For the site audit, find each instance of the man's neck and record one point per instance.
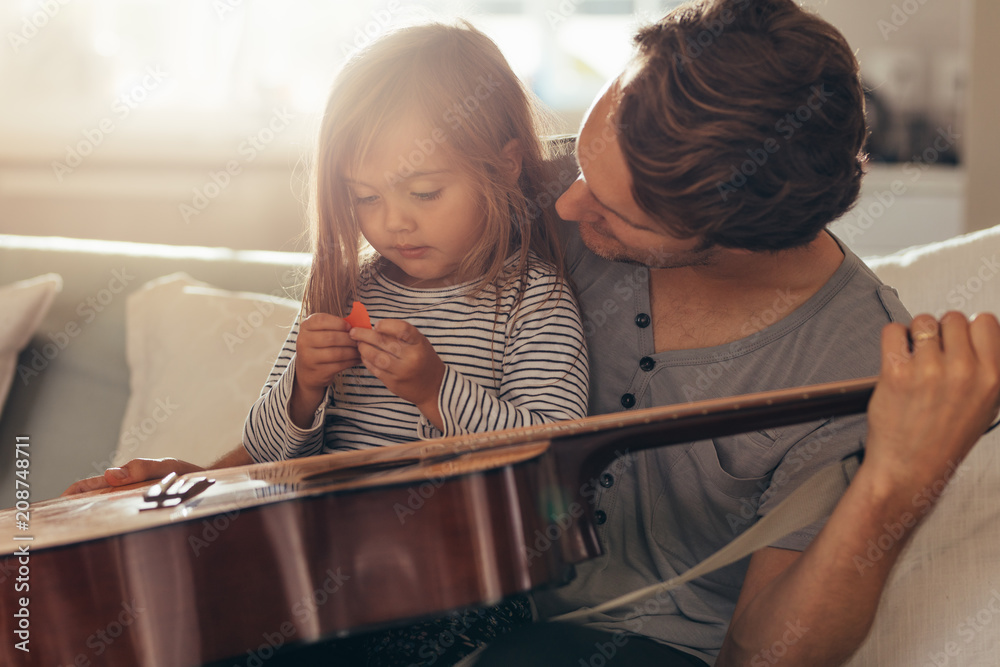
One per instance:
(737, 293)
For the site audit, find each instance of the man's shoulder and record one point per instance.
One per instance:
(859, 283)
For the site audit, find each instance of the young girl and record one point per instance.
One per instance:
(428, 172)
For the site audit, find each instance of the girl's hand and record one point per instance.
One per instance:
(322, 349)
(402, 357)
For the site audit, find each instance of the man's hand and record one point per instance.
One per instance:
(937, 394)
(133, 472)
(402, 357)
(144, 470)
(322, 349)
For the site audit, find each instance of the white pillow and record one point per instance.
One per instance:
(942, 602)
(23, 306)
(198, 358)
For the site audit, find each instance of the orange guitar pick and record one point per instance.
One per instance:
(359, 316)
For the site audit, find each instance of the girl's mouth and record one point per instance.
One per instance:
(412, 252)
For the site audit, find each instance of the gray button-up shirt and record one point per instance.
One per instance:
(665, 510)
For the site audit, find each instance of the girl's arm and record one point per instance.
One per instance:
(544, 377)
(269, 434)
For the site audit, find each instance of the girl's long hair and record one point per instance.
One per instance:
(459, 81)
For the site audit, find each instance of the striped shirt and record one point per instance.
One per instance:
(502, 370)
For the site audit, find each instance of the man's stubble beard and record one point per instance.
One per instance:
(609, 248)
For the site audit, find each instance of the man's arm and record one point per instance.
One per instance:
(142, 470)
(930, 407)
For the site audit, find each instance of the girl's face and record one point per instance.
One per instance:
(416, 207)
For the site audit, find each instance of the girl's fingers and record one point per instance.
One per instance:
(324, 322)
(326, 339)
(377, 339)
(329, 355)
(399, 329)
(376, 357)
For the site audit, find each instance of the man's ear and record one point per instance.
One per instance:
(511, 156)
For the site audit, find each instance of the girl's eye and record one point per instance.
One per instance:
(427, 196)
(365, 201)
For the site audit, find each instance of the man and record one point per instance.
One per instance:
(715, 160)
(709, 170)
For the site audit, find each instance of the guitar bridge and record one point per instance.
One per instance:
(171, 491)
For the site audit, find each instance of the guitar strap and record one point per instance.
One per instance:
(812, 501)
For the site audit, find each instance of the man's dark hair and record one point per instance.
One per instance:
(742, 122)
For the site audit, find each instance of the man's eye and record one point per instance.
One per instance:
(427, 196)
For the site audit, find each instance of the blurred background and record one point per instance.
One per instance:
(190, 121)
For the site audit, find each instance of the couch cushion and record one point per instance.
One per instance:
(198, 357)
(942, 603)
(73, 408)
(23, 305)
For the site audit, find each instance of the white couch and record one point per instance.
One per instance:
(199, 354)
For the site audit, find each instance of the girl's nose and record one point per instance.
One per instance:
(397, 219)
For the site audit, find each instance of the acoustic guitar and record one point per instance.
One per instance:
(233, 562)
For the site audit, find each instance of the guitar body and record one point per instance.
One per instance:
(296, 551)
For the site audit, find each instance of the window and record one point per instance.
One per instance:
(178, 79)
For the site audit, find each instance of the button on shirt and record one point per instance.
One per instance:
(669, 508)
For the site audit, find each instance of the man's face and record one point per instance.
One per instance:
(611, 223)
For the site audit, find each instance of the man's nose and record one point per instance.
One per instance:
(572, 205)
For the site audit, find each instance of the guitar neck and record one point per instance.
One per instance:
(599, 436)
(588, 450)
